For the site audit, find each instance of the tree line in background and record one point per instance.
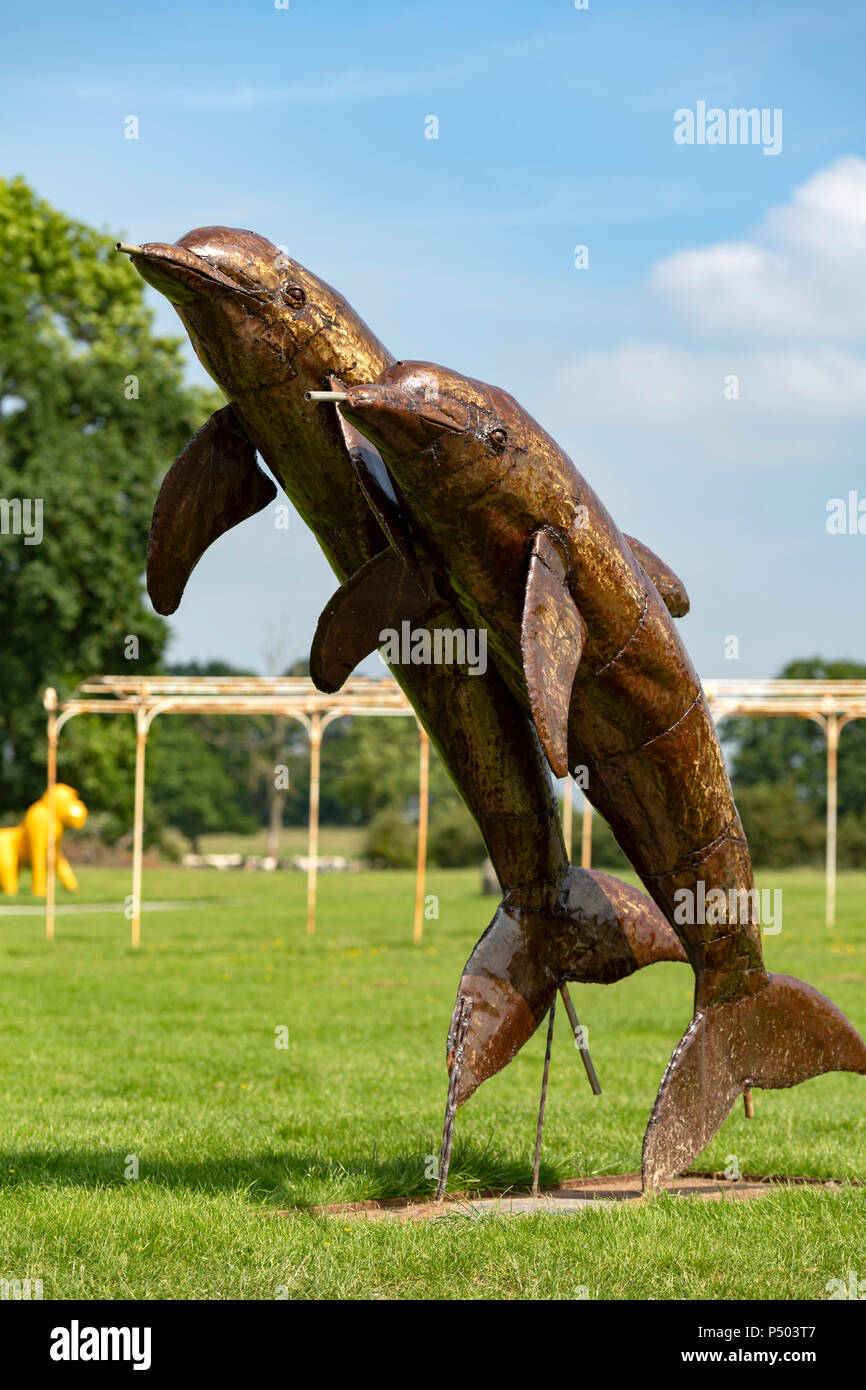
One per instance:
(93, 408)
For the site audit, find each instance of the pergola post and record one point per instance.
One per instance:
(567, 816)
(141, 727)
(832, 733)
(50, 704)
(423, 812)
(586, 837)
(313, 839)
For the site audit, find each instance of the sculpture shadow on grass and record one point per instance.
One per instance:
(270, 1177)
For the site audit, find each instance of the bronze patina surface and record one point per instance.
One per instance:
(268, 330)
(585, 641)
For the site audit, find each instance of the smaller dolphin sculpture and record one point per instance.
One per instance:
(582, 635)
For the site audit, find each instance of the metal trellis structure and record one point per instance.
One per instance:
(293, 697)
(830, 704)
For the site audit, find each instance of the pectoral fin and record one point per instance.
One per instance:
(214, 484)
(551, 640)
(380, 595)
(670, 586)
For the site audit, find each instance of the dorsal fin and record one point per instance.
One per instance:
(671, 588)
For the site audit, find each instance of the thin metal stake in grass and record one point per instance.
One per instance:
(543, 1101)
(579, 1040)
(456, 1042)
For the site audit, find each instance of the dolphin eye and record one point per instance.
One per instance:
(498, 438)
(293, 294)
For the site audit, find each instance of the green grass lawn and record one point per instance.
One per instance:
(168, 1055)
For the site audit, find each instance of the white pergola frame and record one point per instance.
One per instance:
(294, 697)
(830, 704)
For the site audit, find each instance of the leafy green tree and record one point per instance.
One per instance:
(378, 768)
(190, 785)
(93, 408)
(96, 755)
(781, 826)
(455, 841)
(252, 748)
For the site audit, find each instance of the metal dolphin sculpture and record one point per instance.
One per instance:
(587, 646)
(269, 331)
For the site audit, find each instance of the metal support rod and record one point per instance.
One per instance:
(456, 1043)
(832, 813)
(748, 1103)
(423, 814)
(537, 1164)
(313, 844)
(586, 837)
(579, 1039)
(138, 827)
(51, 779)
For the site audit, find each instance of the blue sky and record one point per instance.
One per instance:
(555, 130)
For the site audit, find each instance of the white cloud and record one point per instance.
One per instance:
(783, 310)
(654, 381)
(802, 275)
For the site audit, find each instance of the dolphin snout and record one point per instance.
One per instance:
(398, 421)
(179, 274)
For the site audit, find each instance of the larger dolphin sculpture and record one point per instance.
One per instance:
(583, 639)
(268, 330)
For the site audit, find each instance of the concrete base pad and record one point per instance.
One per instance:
(568, 1199)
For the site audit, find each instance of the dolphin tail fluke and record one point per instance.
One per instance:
(784, 1034)
(586, 927)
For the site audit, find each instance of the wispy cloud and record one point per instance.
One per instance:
(352, 84)
(651, 381)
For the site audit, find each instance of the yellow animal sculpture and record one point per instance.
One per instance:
(27, 843)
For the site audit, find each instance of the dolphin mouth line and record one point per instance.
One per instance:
(440, 422)
(362, 398)
(177, 259)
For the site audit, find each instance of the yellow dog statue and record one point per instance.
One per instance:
(27, 843)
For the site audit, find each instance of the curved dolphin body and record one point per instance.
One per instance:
(587, 646)
(268, 330)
